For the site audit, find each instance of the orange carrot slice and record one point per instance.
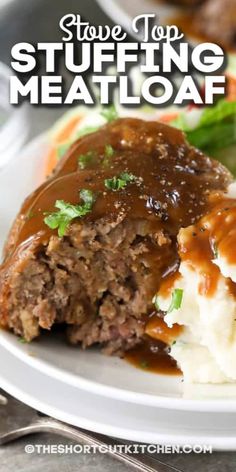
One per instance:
(168, 117)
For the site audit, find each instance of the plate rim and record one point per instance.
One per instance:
(210, 405)
(219, 443)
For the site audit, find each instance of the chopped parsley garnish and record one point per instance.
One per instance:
(67, 212)
(118, 183)
(109, 113)
(88, 197)
(176, 301)
(144, 364)
(85, 159)
(108, 153)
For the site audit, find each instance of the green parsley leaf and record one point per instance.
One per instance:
(118, 183)
(144, 364)
(176, 301)
(67, 212)
(109, 113)
(87, 196)
(109, 151)
(85, 160)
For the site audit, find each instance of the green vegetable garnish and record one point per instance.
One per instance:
(176, 301)
(118, 183)
(180, 122)
(85, 159)
(223, 109)
(67, 212)
(144, 364)
(214, 137)
(86, 130)
(62, 149)
(211, 115)
(215, 132)
(22, 340)
(109, 113)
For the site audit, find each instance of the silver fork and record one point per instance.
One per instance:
(18, 420)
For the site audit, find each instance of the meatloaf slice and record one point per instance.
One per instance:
(95, 271)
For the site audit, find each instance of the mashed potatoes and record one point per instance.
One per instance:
(205, 350)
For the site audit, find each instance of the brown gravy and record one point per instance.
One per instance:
(157, 329)
(215, 233)
(200, 244)
(171, 191)
(153, 356)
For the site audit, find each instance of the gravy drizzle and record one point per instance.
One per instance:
(171, 191)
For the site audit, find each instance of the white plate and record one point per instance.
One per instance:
(19, 178)
(113, 417)
(114, 378)
(90, 370)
